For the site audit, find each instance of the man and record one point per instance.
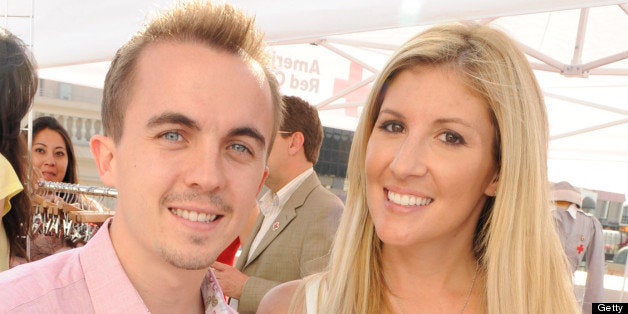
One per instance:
(299, 218)
(189, 114)
(580, 234)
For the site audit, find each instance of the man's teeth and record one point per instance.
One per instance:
(408, 200)
(193, 216)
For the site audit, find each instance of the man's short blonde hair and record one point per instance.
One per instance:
(222, 27)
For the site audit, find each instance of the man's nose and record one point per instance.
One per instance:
(206, 170)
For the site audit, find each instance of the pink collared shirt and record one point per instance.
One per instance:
(89, 279)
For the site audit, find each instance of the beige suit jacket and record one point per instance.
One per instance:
(295, 246)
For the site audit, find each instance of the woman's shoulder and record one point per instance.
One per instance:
(278, 299)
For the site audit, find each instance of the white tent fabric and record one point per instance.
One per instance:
(579, 48)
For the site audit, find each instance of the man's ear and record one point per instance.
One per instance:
(259, 188)
(491, 189)
(296, 143)
(103, 149)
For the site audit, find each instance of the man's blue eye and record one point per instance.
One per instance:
(240, 148)
(172, 136)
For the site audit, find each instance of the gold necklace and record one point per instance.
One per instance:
(475, 275)
(466, 301)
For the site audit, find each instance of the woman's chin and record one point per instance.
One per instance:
(50, 177)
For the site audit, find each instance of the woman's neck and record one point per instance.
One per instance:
(442, 281)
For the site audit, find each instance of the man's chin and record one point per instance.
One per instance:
(188, 262)
(190, 259)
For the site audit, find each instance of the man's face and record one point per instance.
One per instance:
(191, 159)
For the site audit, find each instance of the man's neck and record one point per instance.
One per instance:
(288, 174)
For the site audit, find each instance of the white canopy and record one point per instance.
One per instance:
(579, 48)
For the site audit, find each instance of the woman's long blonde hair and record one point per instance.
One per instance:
(515, 242)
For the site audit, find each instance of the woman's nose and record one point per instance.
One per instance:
(410, 159)
(49, 160)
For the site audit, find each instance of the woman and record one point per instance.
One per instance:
(447, 208)
(18, 84)
(52, 151)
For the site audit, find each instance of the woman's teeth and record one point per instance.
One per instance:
(193, 216)
(408, 200)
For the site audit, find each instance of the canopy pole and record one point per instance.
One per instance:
(582, 28)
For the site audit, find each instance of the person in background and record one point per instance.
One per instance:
(228, 256)
(52, 155)
(52, 151)
(190, 109)
(581, 235)
(292, 237)
(18, 85)
(447, 208)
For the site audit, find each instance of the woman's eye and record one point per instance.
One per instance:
(172, 136)
(392, 127)
(451, 138)
(60, 154)
(40, 150)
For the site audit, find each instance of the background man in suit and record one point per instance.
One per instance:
(292, 237)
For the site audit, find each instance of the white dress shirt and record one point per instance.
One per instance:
(270, 206)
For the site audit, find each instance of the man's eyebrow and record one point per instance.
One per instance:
(250, 132)
(172, 118)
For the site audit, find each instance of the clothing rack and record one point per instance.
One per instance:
(76, 188)
(74, 218)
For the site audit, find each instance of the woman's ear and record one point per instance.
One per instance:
(103, 149)
(491, 189)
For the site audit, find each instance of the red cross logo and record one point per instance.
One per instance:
(355, 76)
(580, 249)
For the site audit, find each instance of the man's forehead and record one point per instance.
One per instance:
(258, 89)
(172, 49)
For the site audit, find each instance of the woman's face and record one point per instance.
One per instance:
(429, 161)
(50, 155)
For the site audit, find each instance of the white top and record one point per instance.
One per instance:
(270, 206)
(311, 296)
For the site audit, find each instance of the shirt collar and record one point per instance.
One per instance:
(286, 191)
(104, 273)
(213, 298)
(572, 210)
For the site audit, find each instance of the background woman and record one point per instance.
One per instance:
(18, 84)
(447, 208)
(52, 153)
